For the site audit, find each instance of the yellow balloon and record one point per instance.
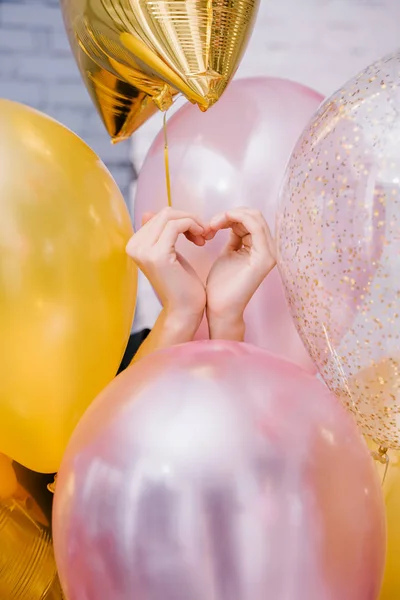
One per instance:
(389, 473)
(391, 583)
(67, 287)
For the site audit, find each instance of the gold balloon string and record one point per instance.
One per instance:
(166, 159)
(382, 456)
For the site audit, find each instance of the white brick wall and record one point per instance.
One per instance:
(37, 68)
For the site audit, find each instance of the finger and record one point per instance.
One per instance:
(250, 227)
(147, 216)
(257, 214)
(263, 222)
(156, 225)
(210, 234)
(237, 235)
(218, 221)
(223, 221)
(198, 240)
(176, 227)
(201, 240)
(235, 242)
(148, 235)
(261, 237)
(222, 218)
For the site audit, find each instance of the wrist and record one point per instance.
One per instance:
(180, 324)
(170, 329)
(226, 327)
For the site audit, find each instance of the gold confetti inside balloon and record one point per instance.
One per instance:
(67, 287)
(338, 237)
(134, 55)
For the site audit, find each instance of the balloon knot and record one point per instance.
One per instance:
(383, 458)
(52, 486)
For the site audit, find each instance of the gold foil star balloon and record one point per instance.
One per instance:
(338, 237)
(134, 55)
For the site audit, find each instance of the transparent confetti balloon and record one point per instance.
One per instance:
(338, 236)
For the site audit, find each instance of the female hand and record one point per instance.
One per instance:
(247, 259)
(176, 284)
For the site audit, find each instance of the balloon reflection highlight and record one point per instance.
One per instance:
(216, 471)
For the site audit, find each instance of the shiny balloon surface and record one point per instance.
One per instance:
(216, 471)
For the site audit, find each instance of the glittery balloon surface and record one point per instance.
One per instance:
(338, 236)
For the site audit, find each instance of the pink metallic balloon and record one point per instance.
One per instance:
(234, 155)
(216, 471)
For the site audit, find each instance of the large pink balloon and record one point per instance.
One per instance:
(234, 155)
(216, 471)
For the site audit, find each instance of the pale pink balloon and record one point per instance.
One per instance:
(234, 155)
(216, 471)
